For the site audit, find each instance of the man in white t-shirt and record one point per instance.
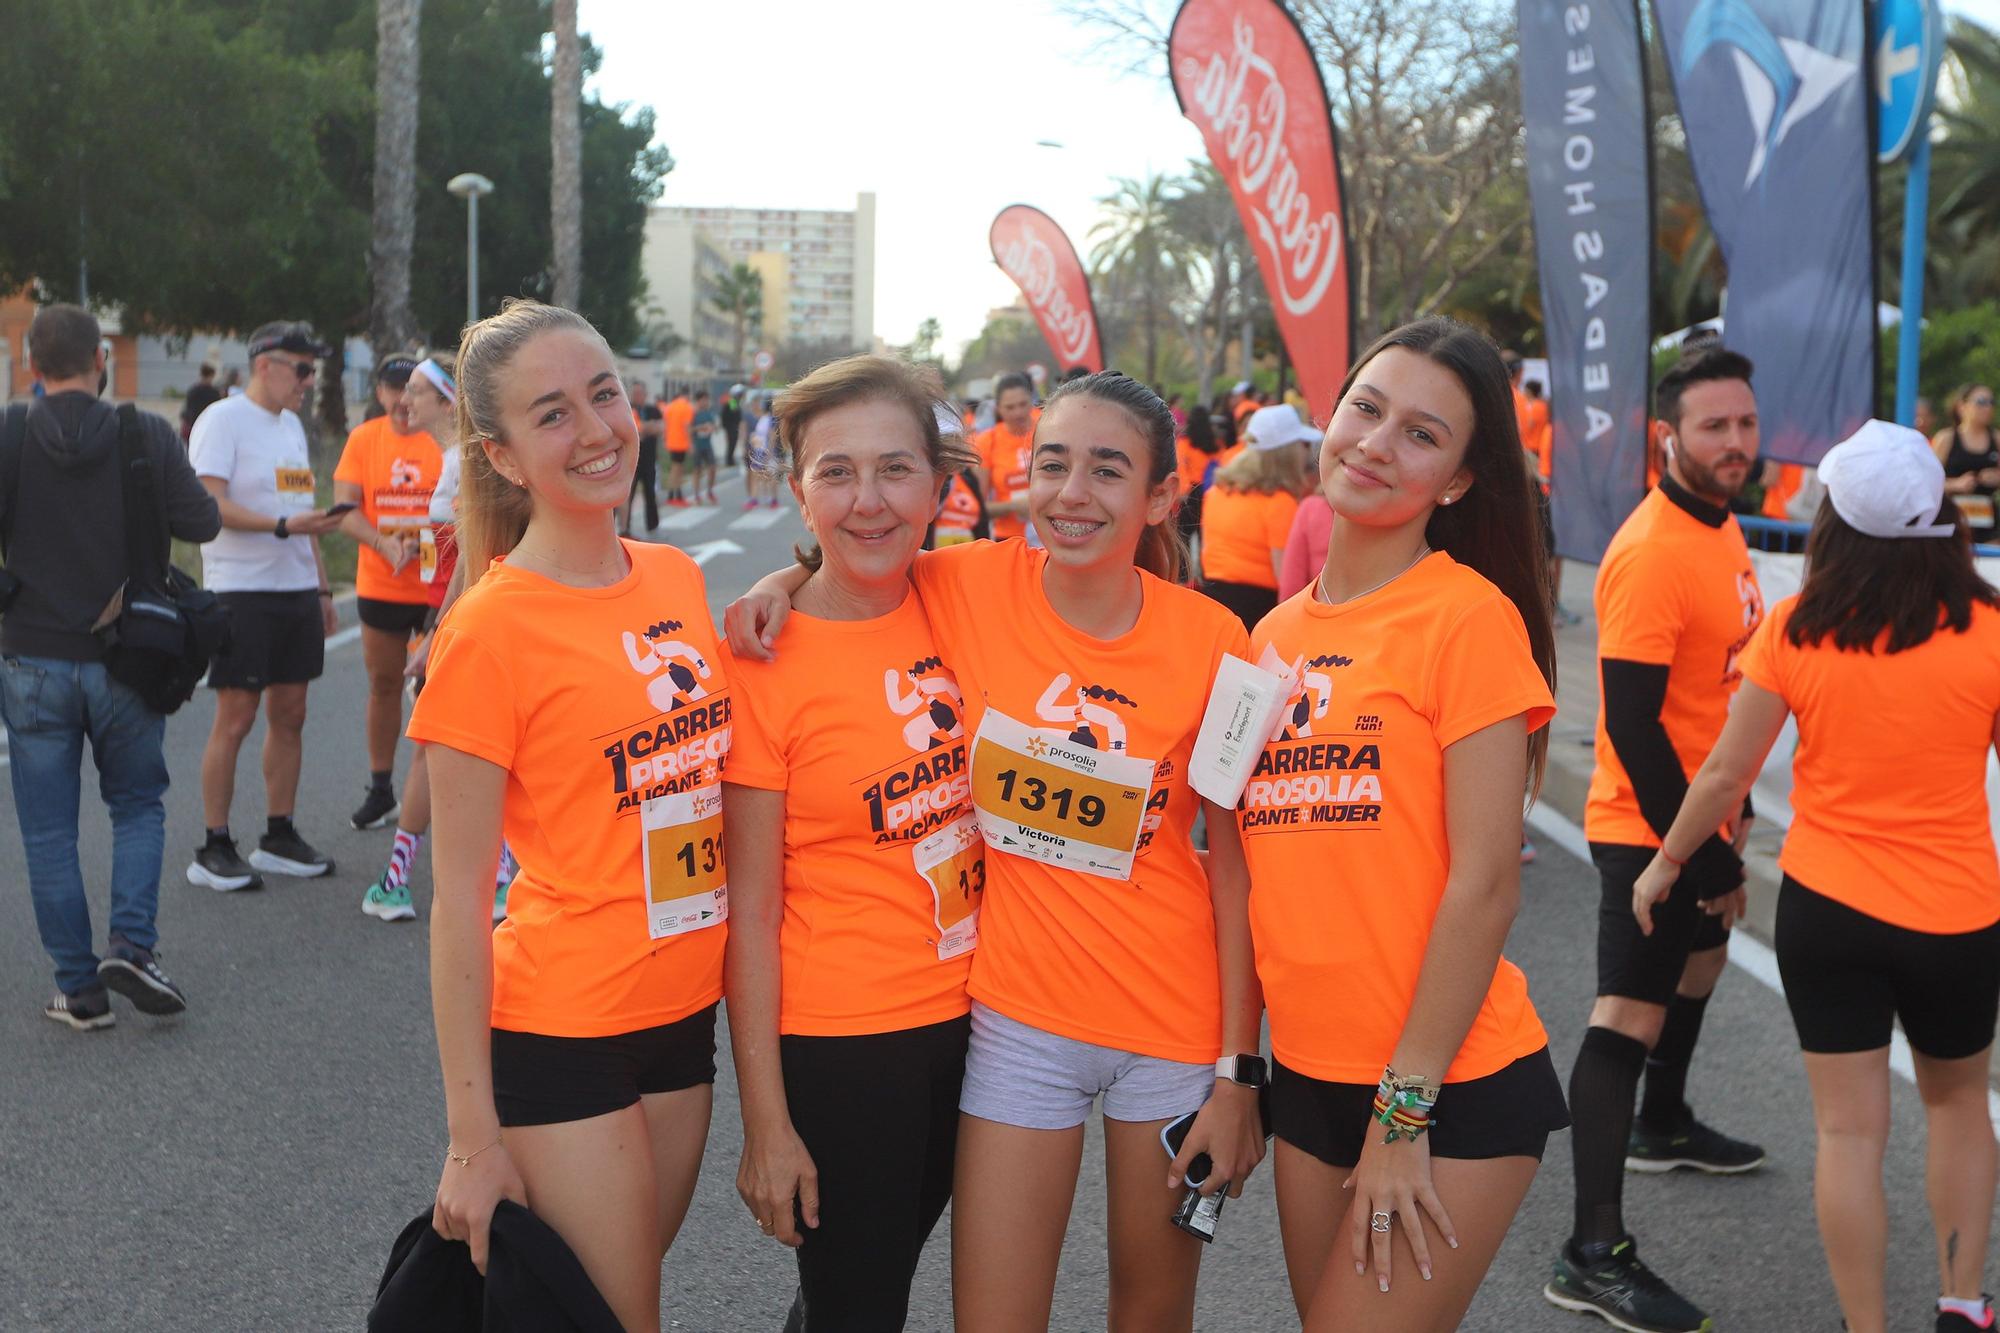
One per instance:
(250, 453)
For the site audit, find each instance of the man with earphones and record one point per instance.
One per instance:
(1676, 602)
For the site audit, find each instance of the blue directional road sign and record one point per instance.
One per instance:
(1909, 46)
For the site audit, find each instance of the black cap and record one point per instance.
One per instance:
(395, 369)
(286, 335)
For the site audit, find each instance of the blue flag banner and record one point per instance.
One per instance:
(1583, 98)
(1775, 96)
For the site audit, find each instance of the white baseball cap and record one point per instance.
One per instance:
(1276, 426)
(1886, 482)
(1242, 386)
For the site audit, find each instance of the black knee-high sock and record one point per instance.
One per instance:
(1601, 1087)
(1665, 1102)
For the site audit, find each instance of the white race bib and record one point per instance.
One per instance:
(1058, 802)
(953, 862)
(687, 881)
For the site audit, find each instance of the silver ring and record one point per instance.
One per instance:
(1378, 1222)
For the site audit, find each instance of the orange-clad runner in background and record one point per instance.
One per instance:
(1780, 492)
(859, 724)
(396, 474)
(1912, 847)
(593, 700)
(678, 419)
(1657, 605)
(1239, 532)
(1344, 818)
(1125, 963)
(1006, 458)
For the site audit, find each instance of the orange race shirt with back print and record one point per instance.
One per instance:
(1343, 818)
(610, 710)
(1889, 811)
(1007, 458)
(1672, 591)
(396, 474)
(861, 725)
(1091, 742)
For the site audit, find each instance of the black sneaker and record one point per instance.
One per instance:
(286, 853)
(132, 972)
(1623, 1292)
(1951, 1321)
(1691, 1144)
(378, 807)
(217, 866)
(90, 1012)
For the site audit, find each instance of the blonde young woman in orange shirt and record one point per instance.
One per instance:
(1381, 827)
(1247, 513)
(578, 701)
(1112, 962)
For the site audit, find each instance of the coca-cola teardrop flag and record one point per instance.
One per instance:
(1032, 250)
(1246, 77)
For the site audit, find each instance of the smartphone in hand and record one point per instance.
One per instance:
(1197, 1215)
(345, 506)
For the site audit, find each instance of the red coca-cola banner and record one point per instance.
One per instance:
(1032, 250)
(1245, 76)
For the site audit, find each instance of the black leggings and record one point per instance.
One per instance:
(879, 1114)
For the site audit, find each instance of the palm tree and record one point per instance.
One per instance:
(566, 157)
(740, 297)
(1137, 250)
(1207, 229)
(397, 28)
(1967, 159)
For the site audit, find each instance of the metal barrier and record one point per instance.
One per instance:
(1784, 537)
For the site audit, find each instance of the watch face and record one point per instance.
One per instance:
(1251, 1069)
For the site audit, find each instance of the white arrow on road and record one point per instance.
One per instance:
(707, 551)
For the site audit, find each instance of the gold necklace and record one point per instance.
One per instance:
(1327, 597)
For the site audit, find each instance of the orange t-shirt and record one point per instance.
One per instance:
(1243, 411)
(1344, 817)
(1124, 963)
(1190, 464)
(1007, 458)
(396, 474)
(596, 701)
(861, 725)
(1779, 494)
(958, 514)
(1889, 812)
(678, 417)
(1537, 434)
(1240, 530)
(1674, 592)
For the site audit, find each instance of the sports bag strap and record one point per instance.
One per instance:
(145, 508)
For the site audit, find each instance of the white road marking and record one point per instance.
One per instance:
(1747, 952)
(757, 519)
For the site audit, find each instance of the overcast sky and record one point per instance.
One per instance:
(935, 105)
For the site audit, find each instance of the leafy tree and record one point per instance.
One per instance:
(1007, 343)
(739, 297)
(1137, 257)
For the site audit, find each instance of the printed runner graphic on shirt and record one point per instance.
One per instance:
(671, 770)
(403, 506)
(1067, 794)
(923, 800)
(1313, 776)
(1752, 598)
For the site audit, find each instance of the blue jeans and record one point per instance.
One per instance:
(51, 706)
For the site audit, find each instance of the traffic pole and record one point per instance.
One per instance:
(1916, 211)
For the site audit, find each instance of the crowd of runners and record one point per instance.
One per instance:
(1036, 882)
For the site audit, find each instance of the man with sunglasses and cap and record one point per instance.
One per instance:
(387, 471)
(250, 453)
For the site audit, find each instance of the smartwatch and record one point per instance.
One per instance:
(283, 528)
(1248, 1070)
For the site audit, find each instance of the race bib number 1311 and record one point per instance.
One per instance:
(687, 881)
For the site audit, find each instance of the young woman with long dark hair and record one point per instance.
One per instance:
(1379, 908)
(1890, 905)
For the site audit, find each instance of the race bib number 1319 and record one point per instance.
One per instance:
(687, 881)
(1056, 801)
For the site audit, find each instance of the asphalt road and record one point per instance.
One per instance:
(246, 1165)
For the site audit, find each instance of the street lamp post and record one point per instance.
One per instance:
(469, 186)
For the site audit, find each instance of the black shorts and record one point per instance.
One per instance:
(404, 618)
(1848, 975)
(1509, 1113)
(540, 1080)
(1250, 602)
(1647, 967)
(879, 1115)
(275, 638)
